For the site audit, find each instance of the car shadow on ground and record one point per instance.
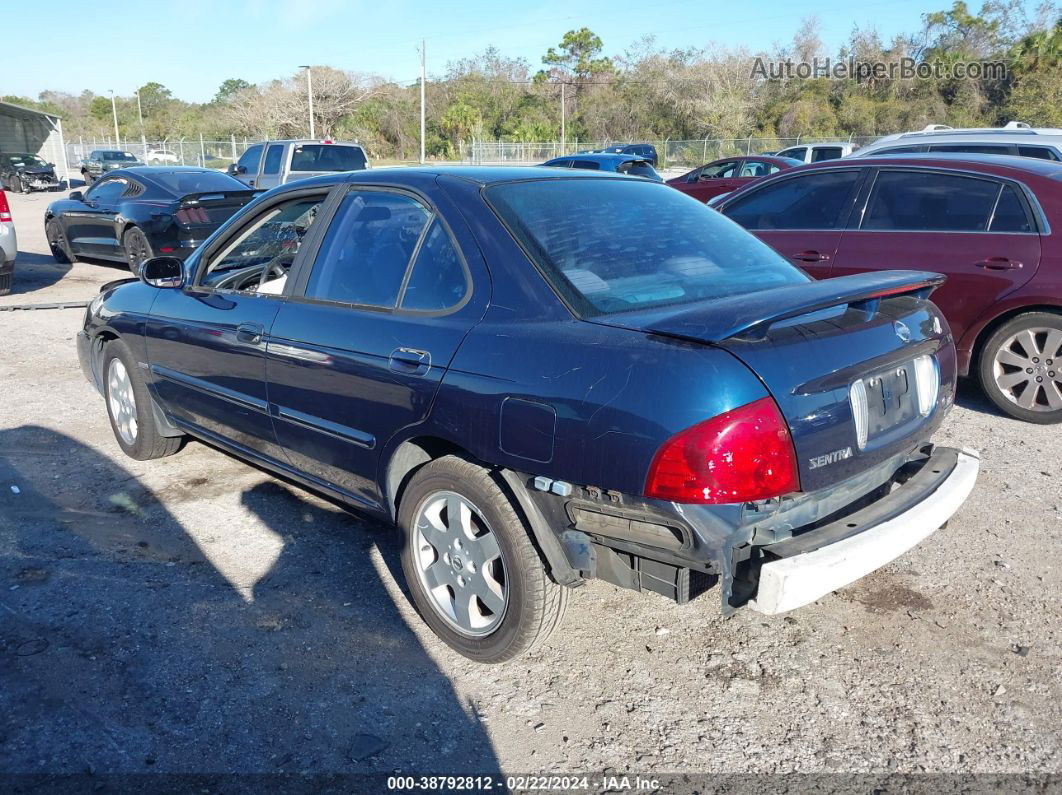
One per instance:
(130, 642)
(35, 272)
(970, 396)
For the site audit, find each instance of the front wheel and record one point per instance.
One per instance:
(1021, 367)
(475, 577)
(129, 406)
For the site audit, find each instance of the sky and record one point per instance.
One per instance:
(191, 46)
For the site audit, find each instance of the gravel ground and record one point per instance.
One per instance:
(196, 614)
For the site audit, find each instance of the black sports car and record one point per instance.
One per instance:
(137, 213)
(21, 172)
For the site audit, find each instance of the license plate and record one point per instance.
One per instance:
(892, 398)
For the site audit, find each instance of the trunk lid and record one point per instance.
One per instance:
(809, 343)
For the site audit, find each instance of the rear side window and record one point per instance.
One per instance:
(637, 168)
(797, 152)
(598, 242)
(898, 150)
(974, 149)
(930, 202)
(820, 153)
(559, 164)
(272, 160)
(438, 278)
(1041, 152)
(754, 168)
(327, 157)
(367, 249)
(720, 170)
(811, 201)
(1010, 215)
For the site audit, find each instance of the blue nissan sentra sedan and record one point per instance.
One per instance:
(542, 377)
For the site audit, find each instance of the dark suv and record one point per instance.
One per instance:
(100, 161)
(644, 151)
(983, 221)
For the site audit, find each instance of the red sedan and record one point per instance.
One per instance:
(730, 173)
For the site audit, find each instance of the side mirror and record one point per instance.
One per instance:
(235, 169)
(162, 272)
(76, 195)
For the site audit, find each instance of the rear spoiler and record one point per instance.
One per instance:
(191, 199)
(750, 316)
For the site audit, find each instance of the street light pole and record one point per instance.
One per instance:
(114, 113)
(309, 93)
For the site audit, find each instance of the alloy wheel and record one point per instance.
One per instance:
(459, 564)
(1028, 369)
(122, 401)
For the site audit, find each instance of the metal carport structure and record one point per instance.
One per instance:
(36, 132)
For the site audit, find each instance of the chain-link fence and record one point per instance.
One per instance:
(172, 151)
(671, 154)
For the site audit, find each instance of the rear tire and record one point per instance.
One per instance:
(5, 283)
(53, 231)
(129, 406)
(476, 579)
(1020, 367)
(137, 248)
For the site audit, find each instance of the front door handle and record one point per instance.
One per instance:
(409, 360)
(811, 256)
(251, 333)
(998, 264)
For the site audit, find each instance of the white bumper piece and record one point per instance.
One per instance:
(794, 582)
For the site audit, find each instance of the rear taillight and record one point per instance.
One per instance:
(5, 210)
(744, 454)
(192, 215)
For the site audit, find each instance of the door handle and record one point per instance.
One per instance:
(998, 264)
(250, 333)
(811, 256)
(409, 360)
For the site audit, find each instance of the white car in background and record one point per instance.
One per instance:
(1016, 138)
(156, 156)
(813, 153)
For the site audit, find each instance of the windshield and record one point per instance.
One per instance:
(124, 157)
(327, 157)
(27, 160)
(184, 182)
(610, 245)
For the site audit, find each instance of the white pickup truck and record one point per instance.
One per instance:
(271, 163)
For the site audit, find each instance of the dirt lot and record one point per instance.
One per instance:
(196, 614)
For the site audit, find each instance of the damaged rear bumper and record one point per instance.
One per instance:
(805, 568)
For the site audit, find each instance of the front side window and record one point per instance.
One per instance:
(811, 201)
(797, 152)
(106, 192)
(974, 149)
(272, 159)
(637, 168)
(598, 242)
(928, 201)
(590, 165)
(364, 256)
(249, 160)
(262, 253)
(723, 170)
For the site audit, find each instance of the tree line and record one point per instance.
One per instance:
(644, 92)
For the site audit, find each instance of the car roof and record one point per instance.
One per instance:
(600, 157)
(1027, 165)
(154, 171)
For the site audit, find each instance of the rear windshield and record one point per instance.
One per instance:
(182, 183)
(611, 245)
(327, 157)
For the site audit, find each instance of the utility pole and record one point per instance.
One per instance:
(423, 78)
(309, 93)
(562, 117)
(114, 113)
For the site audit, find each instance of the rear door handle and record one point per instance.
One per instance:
(409, 360)
(998, 264)
(250, 333)
(811, 256)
